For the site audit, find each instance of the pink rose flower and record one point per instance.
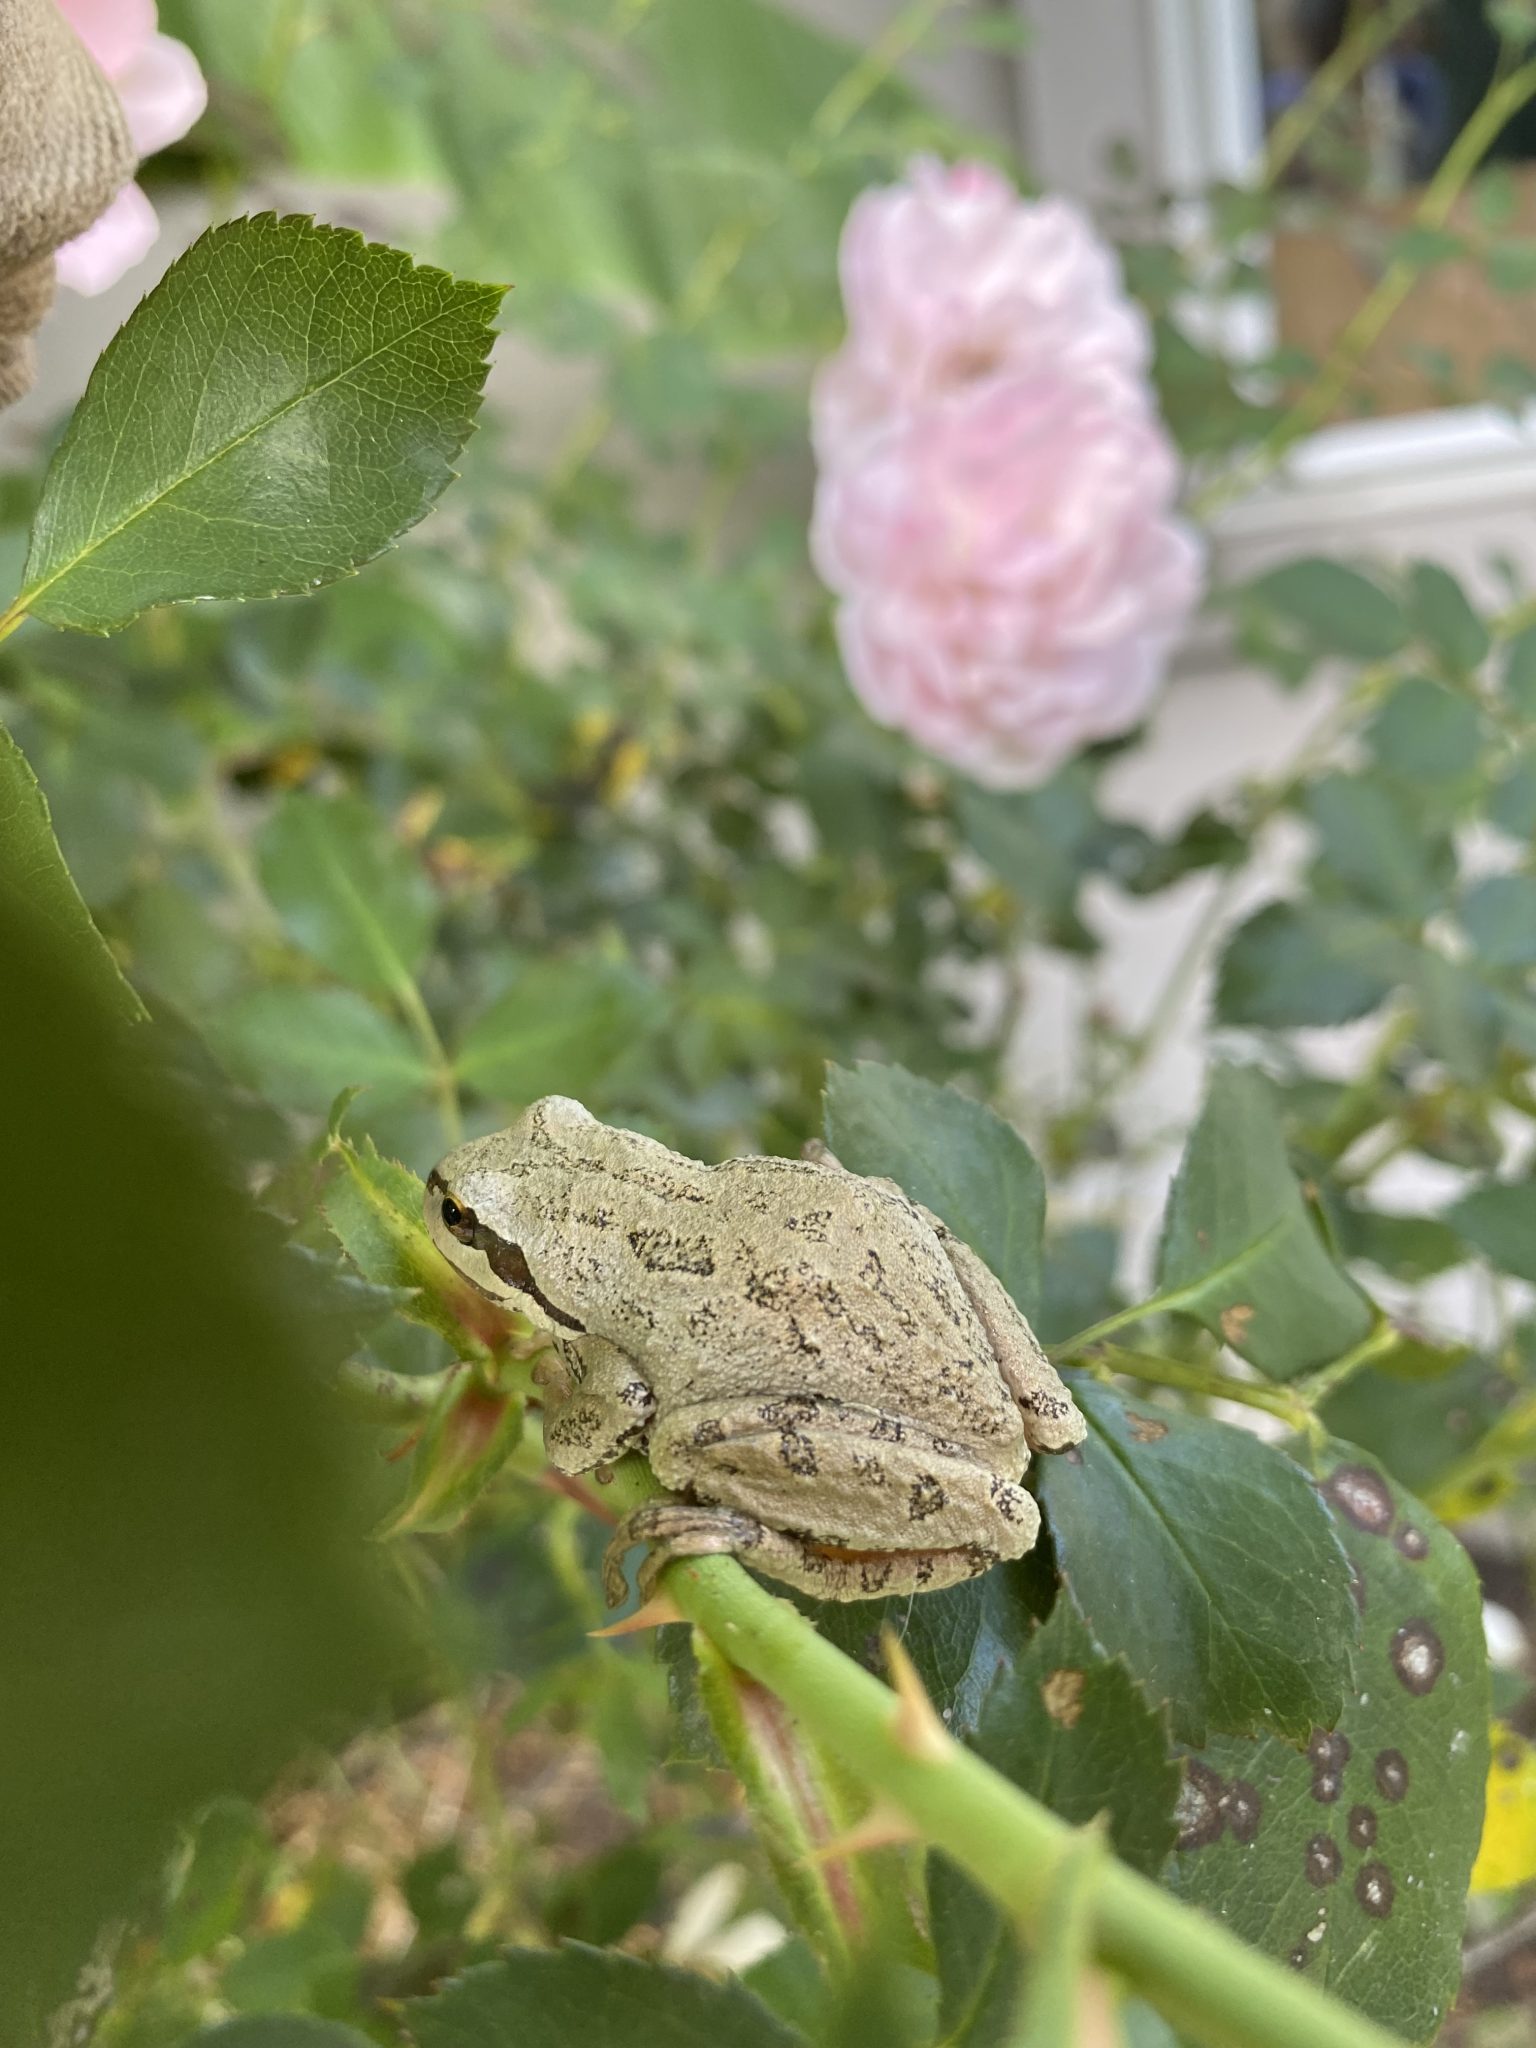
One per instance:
(995, 505)
(163, 92)
(951, 276)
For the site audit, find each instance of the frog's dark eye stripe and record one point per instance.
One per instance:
(507, 1262)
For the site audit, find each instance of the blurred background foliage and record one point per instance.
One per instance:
(569, 793)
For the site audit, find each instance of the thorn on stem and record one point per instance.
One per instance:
(660, 1609)
(916, 1727)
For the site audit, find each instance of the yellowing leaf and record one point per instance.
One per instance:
(1507, 1856)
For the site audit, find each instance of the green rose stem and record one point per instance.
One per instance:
(1202, 1978)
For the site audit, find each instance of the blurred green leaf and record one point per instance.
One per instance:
(1239, 1243)
(1337, 609)
(278, 2030)
(559, 1029)
(1498, 914)
(303, 1046)
(250, 457)
(1443, 617)
(1305, 963)
(980, 1961)
(1418, 1429)
(188, 1594)
(1512, 800)
(1499, 1218)
(228, 1854)
(549, 1998)
(1204, 1559)
(1072, 1728)
(349, 893)
(1426, 733)
(1378, 843)
(1351, 1860)
(1520, 669)
(1512, 266)
(953, 1155)
(32, 870)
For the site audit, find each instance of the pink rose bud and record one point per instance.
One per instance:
(163, 92)
(994, 509)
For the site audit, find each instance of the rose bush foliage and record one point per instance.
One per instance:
(571, 793)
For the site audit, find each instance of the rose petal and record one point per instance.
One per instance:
(123, 236)
(112, 30)
(163, 92)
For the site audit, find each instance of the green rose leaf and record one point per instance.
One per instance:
(284, 403)
(549, 1998)
(373, 1205)
(952, 1155)
(1240, 1250)
(1350, 1858)
(1420, 1429)
(1297, 964)
(1336, 609)
(1500, 1219)
(980, 1962)
(958, 1638)
(349, 893)
(1444, 619)
(1072, 1728)
(1427, 734)
(278, 2030)
(1376, 844)
(560, 1029)
(1204, 1558)
(1520, 673)
(303, 1046)
(33, 869)
(1498, 914)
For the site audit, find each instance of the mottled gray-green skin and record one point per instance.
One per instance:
(840, 1388)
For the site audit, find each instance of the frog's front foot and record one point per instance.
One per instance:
(673, 1528)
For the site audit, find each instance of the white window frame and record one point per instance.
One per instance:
(1180, 80)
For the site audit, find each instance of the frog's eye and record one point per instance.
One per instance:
(460, 1222)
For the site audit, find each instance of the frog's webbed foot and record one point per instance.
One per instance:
(674, 1528)
(681, 1528)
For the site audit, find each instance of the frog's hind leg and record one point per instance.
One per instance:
(1052, 1419)
(606, 1411)
(674, 1529)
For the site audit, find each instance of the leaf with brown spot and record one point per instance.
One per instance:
(1204, 1558)
(1358, 1868)
(1062, 1694)
(1070, 1726)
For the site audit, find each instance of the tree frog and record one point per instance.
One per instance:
(838, 1388)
